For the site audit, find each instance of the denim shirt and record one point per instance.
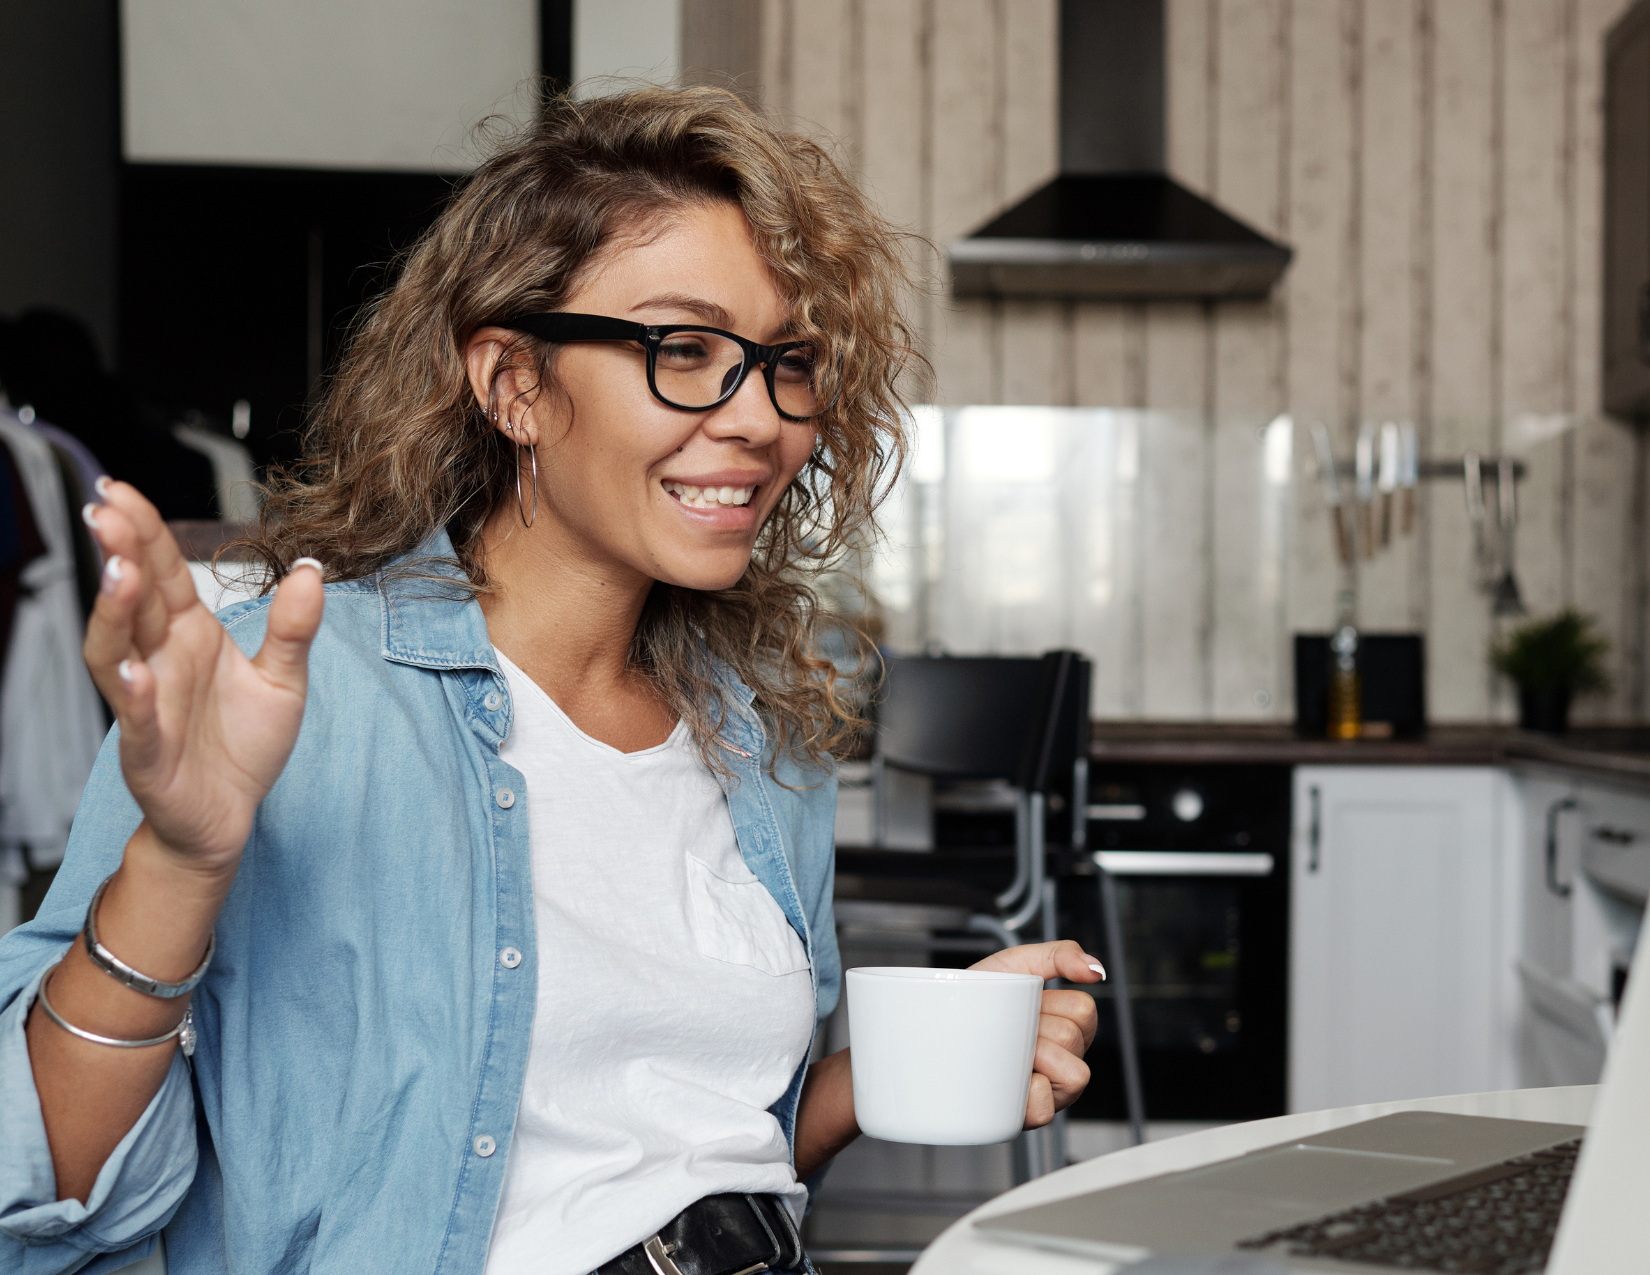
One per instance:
(353, 1091)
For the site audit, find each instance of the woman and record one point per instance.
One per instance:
(493, 913)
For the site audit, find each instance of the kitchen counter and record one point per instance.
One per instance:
(1620, 753)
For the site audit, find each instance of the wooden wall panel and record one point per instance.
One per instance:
(1191, 28)
(1248, 90)
(1318, 213)
(1033, 353)
(1466, 346)
(1388, 94)
(819, 97)
(1030, 36)
(1108, 353)
(1436, 166)
(1536, 369)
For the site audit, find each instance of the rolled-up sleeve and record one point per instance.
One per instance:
(138, 1189)
(146, 1177)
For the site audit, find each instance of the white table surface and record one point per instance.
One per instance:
(960, 1250)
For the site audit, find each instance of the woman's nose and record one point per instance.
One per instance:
(749, 415)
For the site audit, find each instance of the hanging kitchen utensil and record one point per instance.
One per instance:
(1364, 469)
(1388, 480)
(1472, 475)
(1339, 523)
(1409, 473)
(1506, 599)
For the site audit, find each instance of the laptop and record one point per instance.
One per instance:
(1416, 1190)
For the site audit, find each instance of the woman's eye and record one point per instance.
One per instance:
(796, 365)
(679, 350)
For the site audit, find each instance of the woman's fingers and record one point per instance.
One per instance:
(1065, 1071)
(119, 538)
(140, 735)
(1076, 1008)
(1061, 1031)
(154, 547)
(1063, 959)
(294, 618)
(1040, 1104)
(109, 629)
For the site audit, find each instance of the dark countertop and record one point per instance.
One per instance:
(1621, 753)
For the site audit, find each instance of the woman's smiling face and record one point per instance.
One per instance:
(674, 495)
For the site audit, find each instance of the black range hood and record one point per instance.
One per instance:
(1113, 224)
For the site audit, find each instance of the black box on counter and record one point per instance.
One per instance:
(1392, 675)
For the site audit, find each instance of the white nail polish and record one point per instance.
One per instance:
(101, 486)
(88, 515)
(309, 562)
(126, 670)
(1099, 969)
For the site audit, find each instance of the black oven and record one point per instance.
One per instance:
(1200, 859)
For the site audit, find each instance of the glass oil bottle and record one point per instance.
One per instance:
(1345, 686)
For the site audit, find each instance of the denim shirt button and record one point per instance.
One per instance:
(505, 798)
(509, 958)
(485, 1146)
(494, 701)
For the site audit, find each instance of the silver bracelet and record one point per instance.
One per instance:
(184, 1031)
(123, 973)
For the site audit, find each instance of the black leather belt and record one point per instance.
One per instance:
(719, 1235)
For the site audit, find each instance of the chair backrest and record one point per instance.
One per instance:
(981, 717)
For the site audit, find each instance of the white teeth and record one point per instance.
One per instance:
(709, 497)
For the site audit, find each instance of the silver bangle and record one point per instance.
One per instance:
(184, 1031)
(123, 973)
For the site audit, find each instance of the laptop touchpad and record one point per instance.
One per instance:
(1302, 1176)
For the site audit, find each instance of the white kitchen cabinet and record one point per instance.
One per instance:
(1405, 914)
(1577, 936)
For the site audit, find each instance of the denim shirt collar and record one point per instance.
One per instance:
(432, 621)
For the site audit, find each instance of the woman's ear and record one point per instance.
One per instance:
(503, 389)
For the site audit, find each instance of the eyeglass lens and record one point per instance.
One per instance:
(697, 369)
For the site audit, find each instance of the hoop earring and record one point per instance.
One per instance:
(521, 504)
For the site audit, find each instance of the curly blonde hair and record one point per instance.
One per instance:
(399, 447)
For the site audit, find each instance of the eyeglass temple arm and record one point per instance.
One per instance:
(575, 327)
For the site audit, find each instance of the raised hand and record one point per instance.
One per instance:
(204, 731)
(1066, 1029)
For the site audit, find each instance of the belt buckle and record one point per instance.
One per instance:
(658, 1256)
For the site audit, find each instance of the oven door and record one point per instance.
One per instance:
(1204, 938)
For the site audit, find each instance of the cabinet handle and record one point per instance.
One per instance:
(1553, 811)
(1314, 836)
(1615, 836)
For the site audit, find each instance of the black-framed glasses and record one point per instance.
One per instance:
(696, 368)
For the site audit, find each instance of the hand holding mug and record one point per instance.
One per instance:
(1066, 1023)
(964, 1057)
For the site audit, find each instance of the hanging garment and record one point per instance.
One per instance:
(231, 471)
(87, 467)
(51, 723)
(80, 470)
(20, 544)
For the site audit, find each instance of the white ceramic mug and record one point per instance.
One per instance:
(942, 1057)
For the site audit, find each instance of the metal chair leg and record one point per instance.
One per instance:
(1118, 976)
(879, 801)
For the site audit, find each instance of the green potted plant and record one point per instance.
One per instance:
(1552, 660)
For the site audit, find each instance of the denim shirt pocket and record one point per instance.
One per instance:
(738, 921)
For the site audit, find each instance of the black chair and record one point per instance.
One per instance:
(1024, 721)
(956, 720)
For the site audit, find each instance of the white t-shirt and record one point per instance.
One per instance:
(674, 1000)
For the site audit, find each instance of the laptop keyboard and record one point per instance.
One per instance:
(1498, 1221)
